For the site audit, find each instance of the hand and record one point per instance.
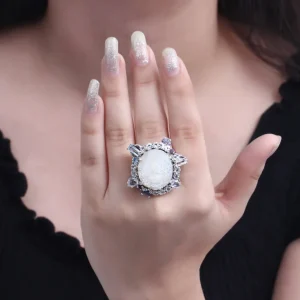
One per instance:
(152, 248)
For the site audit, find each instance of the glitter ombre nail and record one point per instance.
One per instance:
(112, 56)
(92, 98)
(171, 61)
(139, 46)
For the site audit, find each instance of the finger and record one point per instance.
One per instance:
(93, 154)
(118, 119)
(149, 114)
(184, 119)
(240, 183)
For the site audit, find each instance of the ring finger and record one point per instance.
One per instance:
(149, 114)
(184, 118)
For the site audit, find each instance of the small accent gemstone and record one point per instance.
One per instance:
(175, 175)
(146, 193)
(135, 150)
(175, 184)
(180, 160)
(172, 151)
(166, 141)
(135, 160)
(132, 182)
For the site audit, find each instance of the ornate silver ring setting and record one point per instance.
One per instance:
(155, 168)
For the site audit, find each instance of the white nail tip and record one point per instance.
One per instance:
(111, 45)
(93, 89)
(138, 37)
(169, 52)
(92, 96)
(112, 54)
(171, 61)
(139, 46)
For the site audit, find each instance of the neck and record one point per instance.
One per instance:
(74, 31)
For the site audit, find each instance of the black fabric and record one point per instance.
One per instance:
(38, 263)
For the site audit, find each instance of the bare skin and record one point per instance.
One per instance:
(46, 69)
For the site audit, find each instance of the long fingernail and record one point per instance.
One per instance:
(139, 46)
(92, 98)
(112, 56)
(171, 61)
(276, 146)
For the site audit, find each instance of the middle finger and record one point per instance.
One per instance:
(118, 119)
(149, 115)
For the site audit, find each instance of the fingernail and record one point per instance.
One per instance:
(171, 61)
(92, 98)
(112, 56)
(139, 46)
(278, 142)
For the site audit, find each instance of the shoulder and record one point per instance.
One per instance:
(278, 193)
(292, 252)
(12, 181)
(290, 106)
(287, 283)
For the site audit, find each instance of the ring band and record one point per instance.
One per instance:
(155, 168)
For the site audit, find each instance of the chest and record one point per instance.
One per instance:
(46, 143)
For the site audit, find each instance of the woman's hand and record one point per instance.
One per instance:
(144, 248)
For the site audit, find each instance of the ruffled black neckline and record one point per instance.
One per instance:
(42, 231)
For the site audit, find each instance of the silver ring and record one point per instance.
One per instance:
(155, 168)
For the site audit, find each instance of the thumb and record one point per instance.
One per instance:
(240, 183)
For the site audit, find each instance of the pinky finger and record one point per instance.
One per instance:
(93, 156)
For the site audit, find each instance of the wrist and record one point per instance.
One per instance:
(167, 288)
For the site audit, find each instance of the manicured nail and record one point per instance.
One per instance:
(278, 142)
(171, 61)
(112, 56)
(139, 46)
(92, 98)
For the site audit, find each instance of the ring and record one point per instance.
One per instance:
(155, 168)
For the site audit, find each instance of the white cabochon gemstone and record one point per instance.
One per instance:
(155, 169)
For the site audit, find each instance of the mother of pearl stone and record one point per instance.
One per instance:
(155, 169)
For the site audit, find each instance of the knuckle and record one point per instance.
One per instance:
(243, 168)
(203, 205)
(240, 166)
(164, 216)
(129, 215)
(89, 160)
(125, 214)
(113, 93)
(257, 173)
(255, 176)
(91, 207)
(188, 131)
(88, 128)
(117, 136)
(145, 81)
(180, 87)
(150, 129)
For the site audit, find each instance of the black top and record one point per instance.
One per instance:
(38, 263)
